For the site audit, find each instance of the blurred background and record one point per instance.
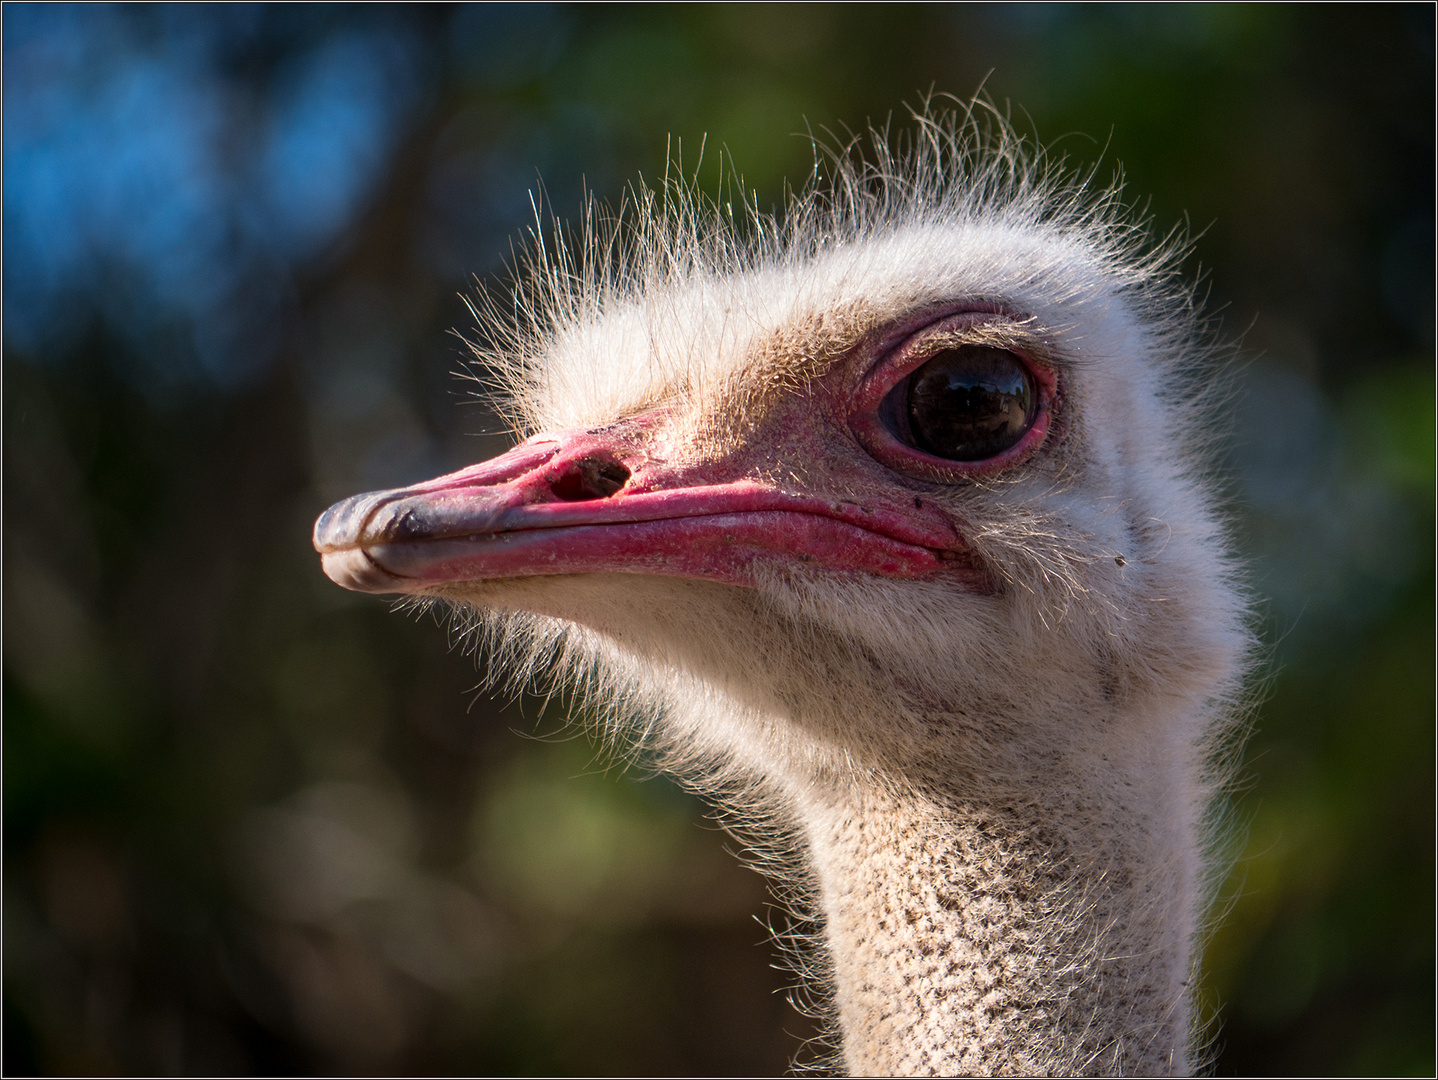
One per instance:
(257, 824)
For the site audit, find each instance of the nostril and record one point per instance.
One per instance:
(596, 476)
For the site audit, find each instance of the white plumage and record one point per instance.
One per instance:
(885, 523)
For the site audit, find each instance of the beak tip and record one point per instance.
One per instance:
(324, 533)
(342, 525)
(342, 536)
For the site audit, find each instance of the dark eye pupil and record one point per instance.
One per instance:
(971, 403)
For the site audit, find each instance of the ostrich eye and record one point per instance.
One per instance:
(970, 403)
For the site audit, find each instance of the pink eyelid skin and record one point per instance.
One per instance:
(902, 360)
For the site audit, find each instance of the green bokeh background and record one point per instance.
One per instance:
(255, 824)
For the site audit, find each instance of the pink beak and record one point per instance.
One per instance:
(584, 502)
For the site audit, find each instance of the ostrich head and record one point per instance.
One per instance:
(887, 511)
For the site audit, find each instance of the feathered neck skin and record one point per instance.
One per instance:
(980, 935)
(1009, 881)
(1009, 876)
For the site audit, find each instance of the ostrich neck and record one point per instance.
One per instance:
(1045, 933)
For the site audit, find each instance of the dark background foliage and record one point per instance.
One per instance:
(254, 823)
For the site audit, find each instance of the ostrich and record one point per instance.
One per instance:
(884, 521)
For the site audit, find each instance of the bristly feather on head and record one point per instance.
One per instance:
(967, 169)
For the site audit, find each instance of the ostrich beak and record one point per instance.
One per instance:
(580, 502)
